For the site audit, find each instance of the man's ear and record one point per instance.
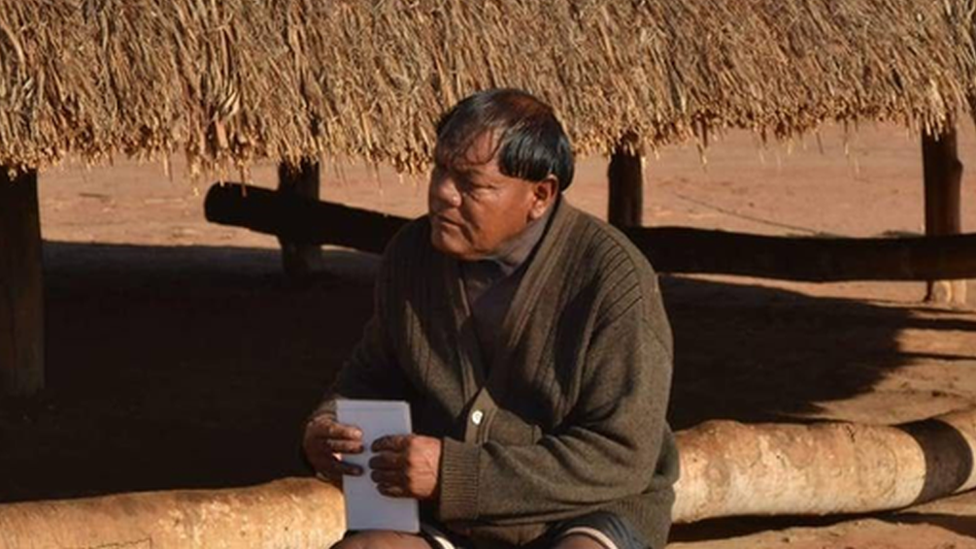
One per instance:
(543, 195)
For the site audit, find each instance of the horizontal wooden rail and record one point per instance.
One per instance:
(670, 249)
(811, 259)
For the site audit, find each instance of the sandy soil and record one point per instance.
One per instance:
(179, 356)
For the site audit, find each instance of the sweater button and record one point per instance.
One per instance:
(477, 416)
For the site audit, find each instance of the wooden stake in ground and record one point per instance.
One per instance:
(943, 179)
(21, 300)
(299, 183)
(626, 179)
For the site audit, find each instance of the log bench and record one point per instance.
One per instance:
(727, 469)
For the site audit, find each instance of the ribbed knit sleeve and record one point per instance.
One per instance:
(460, 479)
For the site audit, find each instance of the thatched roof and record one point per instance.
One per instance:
(245, 79)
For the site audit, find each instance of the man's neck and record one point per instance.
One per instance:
(512, 254)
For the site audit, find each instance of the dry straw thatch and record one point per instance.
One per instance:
(231, 81)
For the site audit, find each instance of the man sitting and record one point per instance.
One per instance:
(532, 345)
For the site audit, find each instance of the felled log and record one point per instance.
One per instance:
(730, 469)
(670, 249)
(283, 514)
(727, 469)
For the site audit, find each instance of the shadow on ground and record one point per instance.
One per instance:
(195, 366)
(174, 367)
(962, 525)
(733, 527)
(754, 353)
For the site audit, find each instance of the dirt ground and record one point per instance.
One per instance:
(179, 356)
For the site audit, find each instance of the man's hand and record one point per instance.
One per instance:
(406, 466)
(324, 443)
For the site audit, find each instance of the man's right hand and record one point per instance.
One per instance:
(324, 443)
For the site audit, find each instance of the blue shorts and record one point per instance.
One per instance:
(610, 530)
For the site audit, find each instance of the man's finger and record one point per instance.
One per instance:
(340, 446)
(346, 468)
(389, 461)
(392, 491)
(331, 466)
(391, 443)
(325, 426)
(341, 431)
(387, 477)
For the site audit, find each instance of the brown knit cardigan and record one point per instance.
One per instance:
(570, 417)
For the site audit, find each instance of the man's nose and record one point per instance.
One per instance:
(445, 192)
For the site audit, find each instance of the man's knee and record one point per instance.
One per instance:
(382, 540)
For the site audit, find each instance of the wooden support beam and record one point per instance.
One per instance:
(670, 249)
(302, 182)
(808, 259)
(21, 298)
(943, 181)
(625, 175)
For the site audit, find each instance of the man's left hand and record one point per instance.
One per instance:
(406, 466)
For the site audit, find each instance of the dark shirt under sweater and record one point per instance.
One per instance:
(490, 284)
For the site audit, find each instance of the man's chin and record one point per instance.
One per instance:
(449, 246)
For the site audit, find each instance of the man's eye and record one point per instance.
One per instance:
(476, 189)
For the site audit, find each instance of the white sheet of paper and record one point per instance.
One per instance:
(366, 508)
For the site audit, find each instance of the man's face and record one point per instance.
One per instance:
(475, 209)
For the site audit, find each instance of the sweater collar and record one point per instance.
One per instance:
(538, 270)
(516, 251)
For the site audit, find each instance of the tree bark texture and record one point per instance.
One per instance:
(943, 212)
(21, 286)
(283, 514)
(730, 469)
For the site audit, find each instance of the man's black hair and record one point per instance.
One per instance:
(531, 143)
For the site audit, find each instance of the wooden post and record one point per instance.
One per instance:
(21, 298)
(626, 178)
(302, 182)
(943, 178)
